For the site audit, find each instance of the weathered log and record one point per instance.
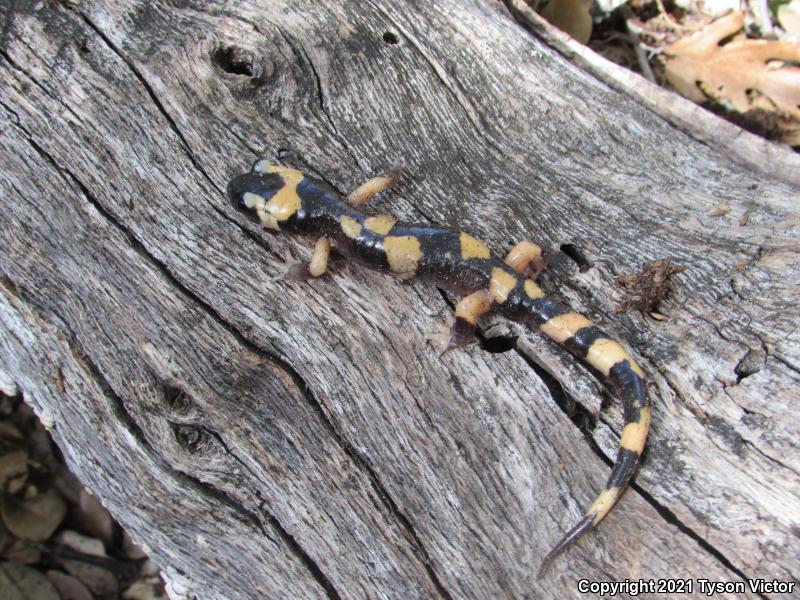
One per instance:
(271, 439)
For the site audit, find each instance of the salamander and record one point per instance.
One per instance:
(285, 199)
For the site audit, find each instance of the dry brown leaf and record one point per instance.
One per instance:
(649, 286)
(720, 209)
(81, 543)
(22, 552)
(13, 465)
(99, 580)
(33, 518)
(18, 582)
(744, 74)
(94, 518)
(145, 589)
(570, 16)
(69, 587)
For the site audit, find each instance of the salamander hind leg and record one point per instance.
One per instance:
(360, 195)
(316, 267)
(462, 332)
(527, 258)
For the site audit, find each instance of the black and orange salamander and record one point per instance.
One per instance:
(287, 200)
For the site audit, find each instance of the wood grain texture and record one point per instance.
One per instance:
(269, 439)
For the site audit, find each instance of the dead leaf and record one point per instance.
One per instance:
(99, 580)
(40, 447)
(18, 582)
(34, 518)
(649, 286)
(570, 16)
(789, 17)
(81, 543)
(13, 464)
(22, 552)
(720, 209)
(68, 586)
(10, 433)
(67, 484)
(145, 589)
(742, 75)
(94, 518)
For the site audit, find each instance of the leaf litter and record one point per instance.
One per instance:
(743, 75)
(57, 541)
(701, 52)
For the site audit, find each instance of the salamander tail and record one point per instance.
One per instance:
(608, 357)
(581, 527)
(620, 476)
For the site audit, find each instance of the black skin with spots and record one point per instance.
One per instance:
(320, 213)
(441, 262)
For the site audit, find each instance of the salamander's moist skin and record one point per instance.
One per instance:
(285, 199)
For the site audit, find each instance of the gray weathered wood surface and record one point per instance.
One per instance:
(289, 440)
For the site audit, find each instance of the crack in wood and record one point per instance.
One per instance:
(380, 490)
(378, 487)
(570, 169)
(153, 97)
(586, 423)
(458, 95)
(117, 406)
(325, 419)
(673, 519)
(302, 57)
(124, 418)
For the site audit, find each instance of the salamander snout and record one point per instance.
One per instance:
(250, 193)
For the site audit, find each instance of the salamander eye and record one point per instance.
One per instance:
(250, 192)
(237, 189)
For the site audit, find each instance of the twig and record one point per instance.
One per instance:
(656, 35)
(672, 21)
(641, 57)
(626, 37)
(644, 63)
(760, 12)
(127, 569)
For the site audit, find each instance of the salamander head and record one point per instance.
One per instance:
(268, 195)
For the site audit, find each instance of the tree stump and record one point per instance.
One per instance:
(302, 440)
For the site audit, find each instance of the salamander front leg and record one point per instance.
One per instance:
(315, 267)
(368, 189)
(527, 258)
